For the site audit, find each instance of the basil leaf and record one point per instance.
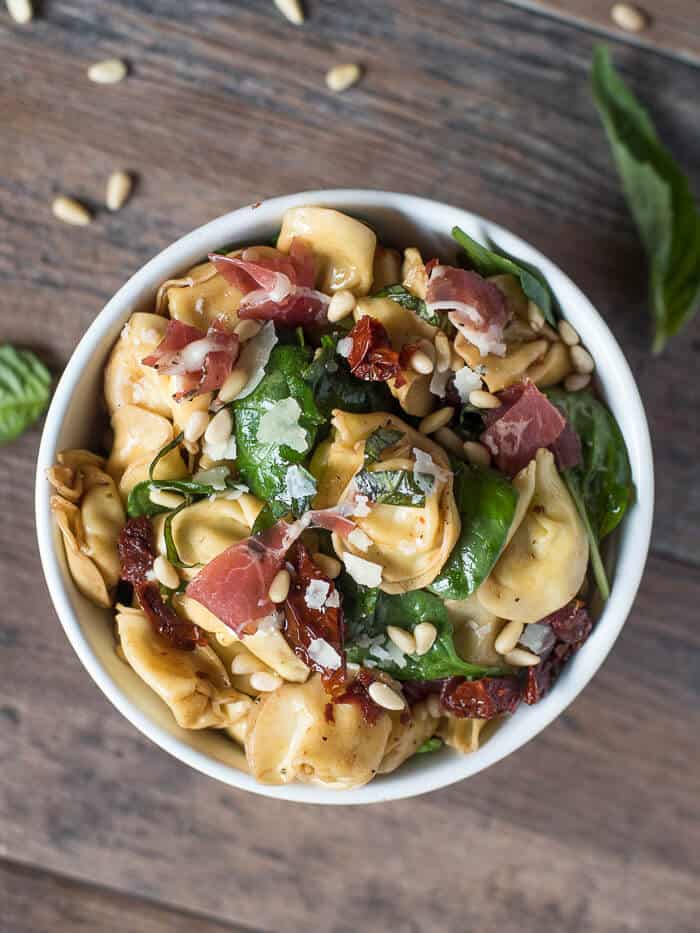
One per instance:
(488, 262)
(433, 744)
(379, 441)
(163, 452)
(401, 295)
(139, 500)
(486, 502)
(25, 385)
(659, 197)
(394, 487)
(334, 386)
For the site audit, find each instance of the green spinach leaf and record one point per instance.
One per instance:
(433, 744)
(25, 385)
(486, 502)
(334, 386)
(659, 197)
(401, 295)
(139, 500)
(379, 441)
(394, 487)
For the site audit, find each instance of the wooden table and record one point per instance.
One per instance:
(591, 827)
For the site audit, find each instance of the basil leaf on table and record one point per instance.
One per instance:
(601, 486)
(489, 262)
(406, 298)
(394, 487)
(334, 386)
(659, 198)
(379, 441)
(25, 385)
(486, 502)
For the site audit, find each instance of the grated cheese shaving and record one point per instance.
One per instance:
(280, 425)
(364, 572)
(324, 654)
(316, 594)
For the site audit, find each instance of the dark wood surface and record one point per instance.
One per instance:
(593, 826)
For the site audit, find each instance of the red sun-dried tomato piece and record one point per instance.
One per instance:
(480, 699)
(372, 357)
(571, 624)
(135, 547)
(181, 633)
(540, 678)
(358, 692)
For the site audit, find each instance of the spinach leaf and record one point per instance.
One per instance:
(264, 464)
(407, 299)
(163, 452)
(659, 198)
(334, 386)
(394, 487)
(139, 500)
(25, 385)
(379, 441)
(486, 502)
(171, 551)
(489, 262)
(433, 744)
(367, 615)
(601, 485)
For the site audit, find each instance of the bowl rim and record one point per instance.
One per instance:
(631, 557)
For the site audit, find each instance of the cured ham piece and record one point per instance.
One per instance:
(276, 286)
(372, 357)
(476, 307)
(203, 361)
(526, 421)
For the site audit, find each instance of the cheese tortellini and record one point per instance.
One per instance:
(406, 736)
(201, 297)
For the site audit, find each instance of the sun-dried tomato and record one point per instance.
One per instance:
(571, 624)
(540, 678)
(136, 552)
(417, 690)
(480, 699)
(181, 633)
(372, 357)
(358, 692)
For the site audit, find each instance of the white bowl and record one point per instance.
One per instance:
(74, 418)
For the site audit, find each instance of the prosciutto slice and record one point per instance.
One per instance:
(526, 421)
(476, 307)
(202, 360)
(276, 286)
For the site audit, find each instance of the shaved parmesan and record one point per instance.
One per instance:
(215, 477)
(316, 593)
(438, 382)
(360, 507)
(333, 601)
(223, 450)
(344, 347)
(268, 625)
(466, 381)
(359, 539)
(280, 425)
(426, 471)
(254, 357)
(364, 572)
(324, 654)
(299, 483)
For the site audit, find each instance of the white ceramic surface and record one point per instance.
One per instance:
(75, 414)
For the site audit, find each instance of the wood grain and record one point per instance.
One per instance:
(593, 827)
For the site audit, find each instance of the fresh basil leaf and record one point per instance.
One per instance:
(379, 441)
(334, 386)
(406, 298)
(659, 197)
(394, 487)
(488, 262)
(433, 744)
(139, 500)
(486, 502)
(25, 385)
(163, 452)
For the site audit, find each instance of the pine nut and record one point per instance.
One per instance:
(425, 634)
(549, 332)
(196, 426)
(279, 588)
(519, 657)
(581, 360)
(428, 347)
(246, 330)
(292, 10)
(341, 304)
(577, 381)
(480, 399)
(110, 71)
(627, 17)
(534, 316)
(166, 573)
(435, 420)
(567, 333)
(20, 10)
(341, 77)
(421, 363)
(443, 352)
(385, 697)
(245, 664)
(264, 682)
(168, 500)
(71, 211)
(477, 453)
(403, 640)
(118, 190)
(508, 637)
(451, 441)
(328, 565)
(233, 385)
(434, 705)
(219, 428)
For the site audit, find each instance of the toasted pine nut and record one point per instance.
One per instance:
(581, 360)
(434, 705)
(264, 682)
(233, 385)
(428, 347)
(519, 657)
(341, 77)
(341, 304)
(118, 190)
(384, 696)
(168, 500)
(477, 453)
(627, 17)
(292, 10)
(425, 634)
(480, 399)
(534, 316)
(549, 332)
(403, 640)
(245, 664)
(421, 363)
(219, 428)
(20, 10)
(247, 329)
(568, 334)
(447, 438)
(166, 573)
(196, 426)
(110, 71)
(508, 637)
(71, 211)
(328, 565)
(577, 381)
(279, 588)
(436, 419)
(443, 352)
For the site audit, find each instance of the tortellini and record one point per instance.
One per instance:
(343, 247)
(475, 630)
(410, 543)
(127, 381)
(138, 436)
(499, 372)
(544, 564)
(202, 296)
(461, 734)
(387, 268)
(290, 739)
(406, 736)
